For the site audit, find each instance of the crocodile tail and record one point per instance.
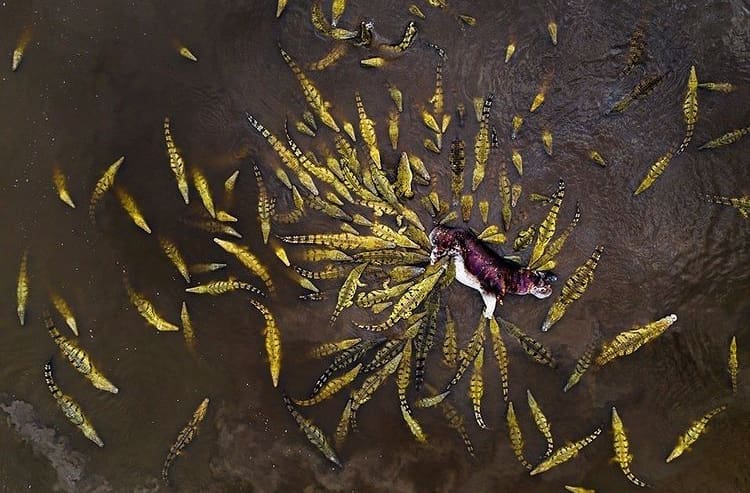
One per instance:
(49, 379)
(49, 324)
(631, 477)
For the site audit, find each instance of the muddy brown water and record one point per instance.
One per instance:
(97, 81)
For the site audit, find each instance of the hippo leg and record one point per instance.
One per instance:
(489, 304)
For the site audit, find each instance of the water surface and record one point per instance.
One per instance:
(96, 83)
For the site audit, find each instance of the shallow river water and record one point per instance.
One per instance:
(97, 80)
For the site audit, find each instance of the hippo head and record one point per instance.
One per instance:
(541, 283)
(445, 241)
(535, 282)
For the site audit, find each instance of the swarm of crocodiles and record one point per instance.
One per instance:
(397, 239)
(399, 247)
